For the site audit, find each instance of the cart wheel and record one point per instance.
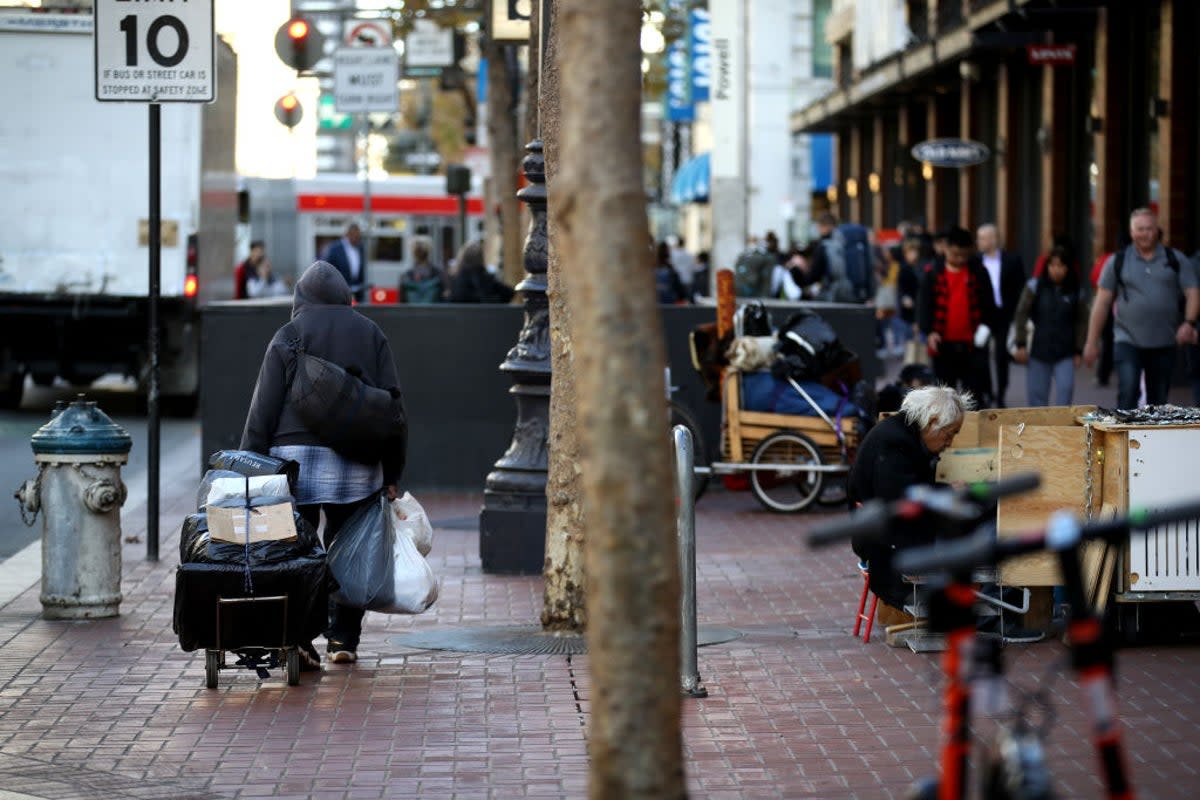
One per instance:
(212, 665)
(681, 415)
(293, 666)
(790, 490)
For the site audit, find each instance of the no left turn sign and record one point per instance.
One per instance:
(155, 52)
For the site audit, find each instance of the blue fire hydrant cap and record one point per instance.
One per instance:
(80, 428)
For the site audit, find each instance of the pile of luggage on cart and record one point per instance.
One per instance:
(254, 583)
(251, 579)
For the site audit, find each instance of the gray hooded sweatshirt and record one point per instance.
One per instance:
(323, 324)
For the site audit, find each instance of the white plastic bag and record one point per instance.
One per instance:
(410, 518)
(414, 588)
(223, 489)
(377, 566)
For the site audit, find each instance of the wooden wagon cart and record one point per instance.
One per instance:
(791, 460)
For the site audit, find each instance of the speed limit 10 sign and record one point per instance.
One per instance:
(160, 52)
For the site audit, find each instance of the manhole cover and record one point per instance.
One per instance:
(525, 640)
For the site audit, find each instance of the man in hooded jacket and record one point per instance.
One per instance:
(324, 324)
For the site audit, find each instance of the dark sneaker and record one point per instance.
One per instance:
(340, 653)
(310, 660)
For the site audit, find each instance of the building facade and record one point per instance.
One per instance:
(1088, 109)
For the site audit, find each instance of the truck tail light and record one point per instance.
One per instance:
(191, 283)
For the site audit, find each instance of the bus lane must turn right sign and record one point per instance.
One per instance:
(366, 79)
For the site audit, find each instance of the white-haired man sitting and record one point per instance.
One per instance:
(900, 452)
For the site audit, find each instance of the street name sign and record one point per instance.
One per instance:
(155, 52)
(366, 79)
(951, 152)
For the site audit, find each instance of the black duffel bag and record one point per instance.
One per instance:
(345, 412)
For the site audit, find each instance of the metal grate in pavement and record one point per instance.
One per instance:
(28, 778)
(525, 640)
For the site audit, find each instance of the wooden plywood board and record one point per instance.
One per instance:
(967, 464)
(968, 435)
(1057, 452)
(992, 419)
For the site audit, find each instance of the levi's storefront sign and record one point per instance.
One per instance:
(1051, 54)
(951, 152)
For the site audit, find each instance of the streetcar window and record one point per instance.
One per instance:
(388, 248)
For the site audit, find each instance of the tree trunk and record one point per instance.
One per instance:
(598, 209)
(563, 602)
(505, 158)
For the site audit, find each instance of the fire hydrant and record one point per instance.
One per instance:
(79, 492)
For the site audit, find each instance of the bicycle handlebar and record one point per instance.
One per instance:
(874, 518)
(1062, 532)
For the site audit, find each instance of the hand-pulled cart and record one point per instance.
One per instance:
(791, 460)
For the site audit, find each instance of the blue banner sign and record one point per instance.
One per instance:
(700, 36)
(679, 90)
(951, 152)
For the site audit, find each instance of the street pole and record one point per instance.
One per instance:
(154, 241)
(368, 223)
(462, 219)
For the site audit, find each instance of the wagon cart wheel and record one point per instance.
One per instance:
(293, 666)
(786, 490)
(212, 665)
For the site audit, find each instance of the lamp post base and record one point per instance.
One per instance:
(512, 541)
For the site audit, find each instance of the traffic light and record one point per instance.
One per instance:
(299, 44)
(288, 110)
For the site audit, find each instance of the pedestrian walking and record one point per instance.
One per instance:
(1157, 294)
(1055, 304)
(472, 282)
(324, 324)
(349, 257)
(1007, 274)
(954, 311)
(424, 282)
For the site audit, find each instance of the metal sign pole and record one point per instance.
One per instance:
(155, 243)
(368, 223)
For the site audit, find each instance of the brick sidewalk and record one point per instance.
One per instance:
(797, 707)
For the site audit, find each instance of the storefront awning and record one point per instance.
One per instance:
(690, 184)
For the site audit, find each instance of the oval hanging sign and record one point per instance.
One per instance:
(951, 152)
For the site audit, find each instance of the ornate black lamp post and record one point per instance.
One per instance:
(512, 525)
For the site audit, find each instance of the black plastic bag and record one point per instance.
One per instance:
(198, 587)
(197, 547)
(808, 348)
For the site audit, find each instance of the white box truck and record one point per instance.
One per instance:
(74, 213)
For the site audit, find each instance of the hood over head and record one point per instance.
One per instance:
(320, 285)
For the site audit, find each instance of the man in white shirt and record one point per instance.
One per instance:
(1007, 273)
(346, 254)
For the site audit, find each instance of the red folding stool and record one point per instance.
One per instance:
(869, 617)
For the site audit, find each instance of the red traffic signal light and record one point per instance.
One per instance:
(288, 110)
(299, 44)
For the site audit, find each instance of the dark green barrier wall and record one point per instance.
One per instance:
(460, 413)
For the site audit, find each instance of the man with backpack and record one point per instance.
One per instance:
(1157, 293)
(842, 264)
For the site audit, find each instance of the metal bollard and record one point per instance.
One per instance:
(685, 526)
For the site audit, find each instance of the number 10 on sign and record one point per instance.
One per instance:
(155, 52)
